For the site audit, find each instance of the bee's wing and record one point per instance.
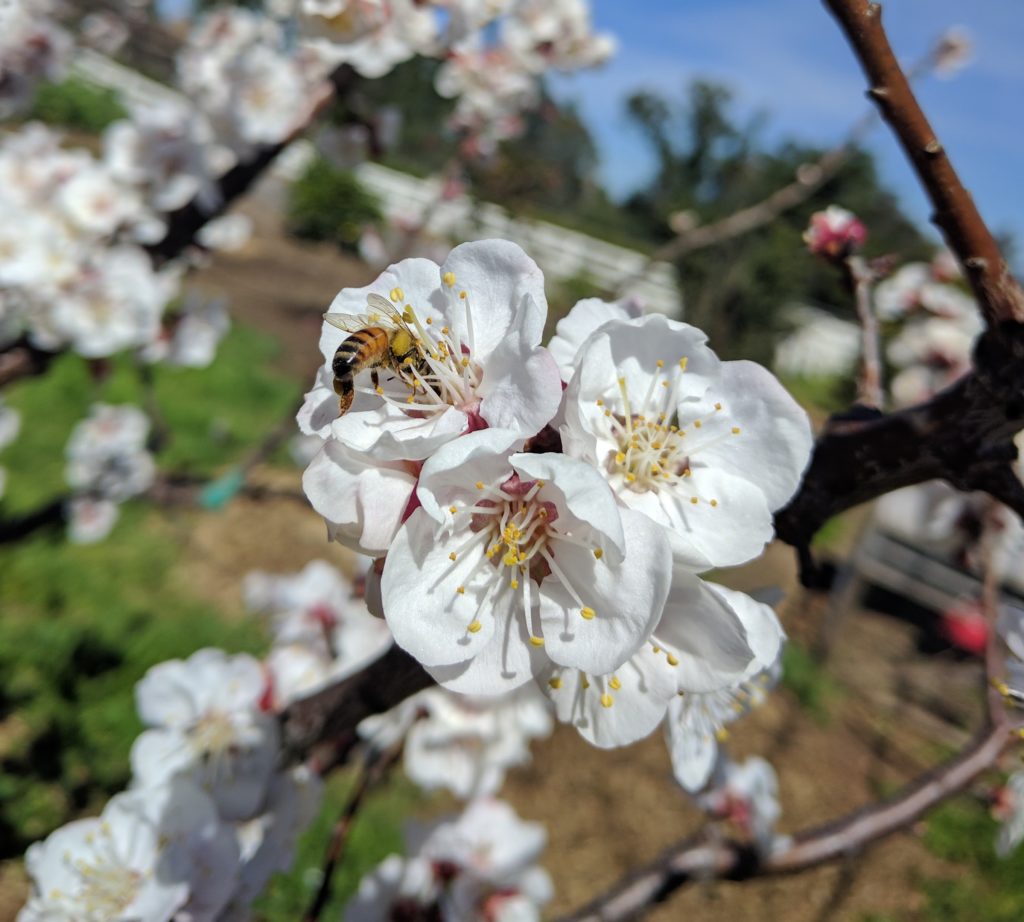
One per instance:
(380, 304)
(350, 323)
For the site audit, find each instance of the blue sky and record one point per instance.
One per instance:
(788, 59)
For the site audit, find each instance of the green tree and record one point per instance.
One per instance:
(712, 165)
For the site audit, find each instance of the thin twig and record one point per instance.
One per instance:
(731, 860)
(998, 293)
(859, 278)
(992, 525)
(375, 768)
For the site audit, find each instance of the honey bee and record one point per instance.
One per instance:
(381, 339)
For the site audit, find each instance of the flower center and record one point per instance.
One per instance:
(650, 449)
(512, 525)
(107, 887)
(212, 735)
(436, 363)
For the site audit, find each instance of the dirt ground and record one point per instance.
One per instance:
(610, 811)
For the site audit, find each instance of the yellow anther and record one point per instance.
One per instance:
(510, 559)
(474, 627)
(721, 734)
(430, 321)
(588, 612)
(694, 500)
(537, 641)
(660, 363)
(664, 384)
(735, 430)
(453, 556)
(444, 330)
(514, 584)
(655, 648)
(411, 398)
(697, 424)
(682, 363)
(620, 458)
(479, 484)
(586, 683)
(614, 683)
(607, 412)
(555, 683)
(673, 660)
(397, 295)
(630, 478)
(452, 510)
(655, 469)
(540, 484)
(656, 446)
(622, 382)
(379, 390)
(598, 553)
(462, 295)
(606, 701)
(718, 406)
(714, 502)
(600, 402)
(461, 590)
(465, 362)
(448, 278)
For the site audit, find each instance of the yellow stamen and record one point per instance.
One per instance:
(448, 278)
(588, 613)
(598, 553)
(606, 701)
(537, 641)
(474, 626)
(614, 683)
(397, 295)
(555, 683)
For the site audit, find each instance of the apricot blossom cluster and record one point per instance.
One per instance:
(542, 515)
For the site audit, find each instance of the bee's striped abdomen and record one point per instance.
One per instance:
(363, 349)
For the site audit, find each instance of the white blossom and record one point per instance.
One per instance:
(707, 449)
(460, 742)
(1009, 810)
(153, 855)
(208, 725)
(746, 794)
(476, 322)
(517, 559)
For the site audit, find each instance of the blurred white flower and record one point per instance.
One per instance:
(208, 725)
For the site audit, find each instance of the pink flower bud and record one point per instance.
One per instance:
(834, 233)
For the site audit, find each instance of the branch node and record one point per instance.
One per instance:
(878, 92)
(933, 148)
(978, 263)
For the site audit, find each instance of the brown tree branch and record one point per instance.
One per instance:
(998, 293)
(729, 860)
(859, 277)
(323, 726)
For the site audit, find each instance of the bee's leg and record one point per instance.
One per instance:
(375, 378)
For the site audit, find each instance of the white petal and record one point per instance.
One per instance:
(427, 614)
(362, 500)
(452, 472)
(701, 630)
(607, 716)
(500, 280)
(627, 599)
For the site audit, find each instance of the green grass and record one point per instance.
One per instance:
(215, 414)
(809, 682)
(74, 103)
(376, 833)
(80, 625)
